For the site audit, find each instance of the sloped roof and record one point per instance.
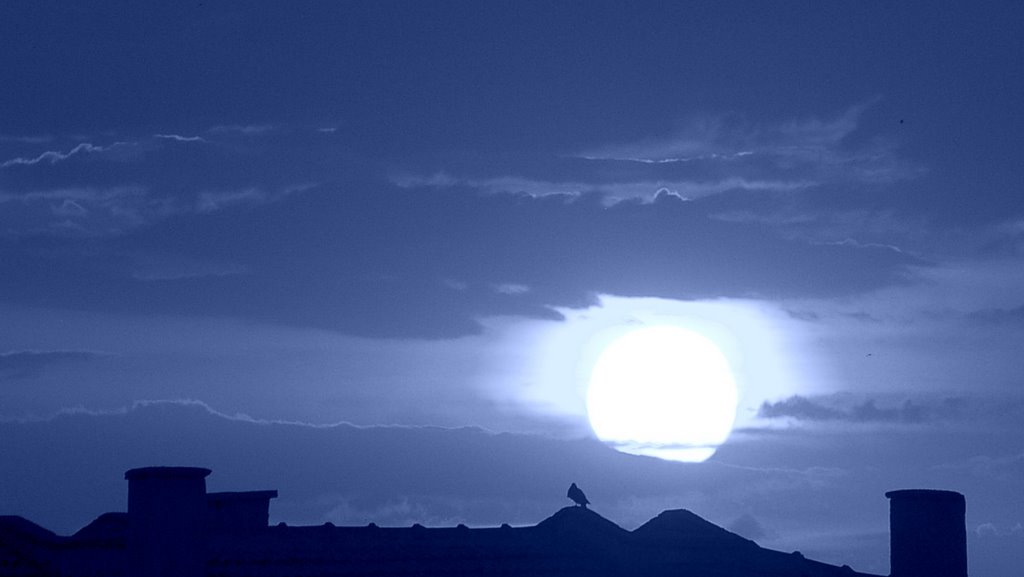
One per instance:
(15, 525)
(580, 520)
(106, 526)
(685, 527)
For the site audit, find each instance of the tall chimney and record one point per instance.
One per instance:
(927, 533)
(166, 521)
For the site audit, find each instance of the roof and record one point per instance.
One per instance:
(21, 526)
(242, 495)
(166, 473)
(926, 494)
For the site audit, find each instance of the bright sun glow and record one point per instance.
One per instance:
(662, 391)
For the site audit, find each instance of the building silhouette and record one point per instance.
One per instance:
(927, 533)
(173, 527)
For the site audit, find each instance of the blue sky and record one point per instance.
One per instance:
(413, 214)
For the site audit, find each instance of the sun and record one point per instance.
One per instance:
(662, 391)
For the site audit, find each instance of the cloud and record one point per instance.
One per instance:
(610, 192)
(830, 219)
(725, 138)
(86, 211)
(697, 156)
(25, 364)
(992, 316)
(764, 172)
(112, 211)
(816, 149)
(55, 156)
(994, 546)
(388, 250)
(991, 530)
(803, 315)
(511, 289)
(842, 408)
(455, 284)
(213, 201)
(799, 408)
(496, 185)
(749, 527)
(173, 405)
(180, 138)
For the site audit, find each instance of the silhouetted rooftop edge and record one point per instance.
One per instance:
(243, 495)
(928, 494)
(23, 525)
(685, 525)
(174, 528)
(580, 519)
(166, 473)
(104, 526)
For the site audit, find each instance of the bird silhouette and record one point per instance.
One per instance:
(576, 494)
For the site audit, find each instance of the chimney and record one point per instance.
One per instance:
(927, 533)
(166, 521)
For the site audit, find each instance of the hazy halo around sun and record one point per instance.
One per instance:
(662, 391)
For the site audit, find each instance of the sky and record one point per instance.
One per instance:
(366, 253)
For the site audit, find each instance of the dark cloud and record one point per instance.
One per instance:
(803, 315)
(800, 408)
(996, 316)
(366, 253)
(749, 527)
(368, 258)
(842, 408)
(27, 364)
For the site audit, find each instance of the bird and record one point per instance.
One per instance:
(577, 495)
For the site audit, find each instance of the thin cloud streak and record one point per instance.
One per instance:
(210, 201)
(180, 138)
(721, 137)
(88, 211)
(684, 159)
(611, 192)
(812, 147)
(921, 410)
(144, 404)
(55, 156)
(113, 211)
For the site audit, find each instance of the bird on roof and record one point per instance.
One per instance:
(576, 494)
